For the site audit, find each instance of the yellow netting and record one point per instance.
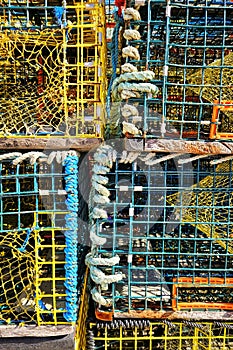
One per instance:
(207, 205)
(31, 87)
(53, 80)
(17, 277)
(213, 83)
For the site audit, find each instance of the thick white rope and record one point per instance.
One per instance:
(99, 277)
(128, 68)
(131, 14)
(99, 213)
(131, 34)
(10, 155)
(96, 240)
(129, 110)
(98, 298)
(132, 52)
(90, 260)
(130, 128)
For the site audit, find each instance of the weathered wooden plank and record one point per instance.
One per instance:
(35, 331)
(178, 315)
(179, 146)
(55, 143)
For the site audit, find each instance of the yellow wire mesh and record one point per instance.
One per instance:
(207, 204)
(53, 80)
(163, 336)
(32, 244)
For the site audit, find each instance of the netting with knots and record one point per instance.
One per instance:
(208, 206)
(32, 83)
(17, 277)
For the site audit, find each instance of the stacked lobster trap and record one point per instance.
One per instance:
(175, 78)
(161, 224)
(52, 71)
(40, 247)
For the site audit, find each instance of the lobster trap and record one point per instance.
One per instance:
(162, 236)
(188, 46)
(52, 71)
(131, 334)
(40, 249)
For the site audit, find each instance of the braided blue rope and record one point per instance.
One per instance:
(23, 246)
(71, 237)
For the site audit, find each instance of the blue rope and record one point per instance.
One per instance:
(58, 13)
(23, 247)
(71, 237)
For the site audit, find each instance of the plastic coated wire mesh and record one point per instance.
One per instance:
(188, 44)
(52, 74)
(34, 249)
(132, 335)
(170, 224)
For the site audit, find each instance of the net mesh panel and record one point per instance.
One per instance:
(209, 206)
(160, 336)
(170, 224)
(33, 244)
(52, 79)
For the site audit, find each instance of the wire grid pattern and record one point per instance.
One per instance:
(188, 44)
(33, 246)
(158, 335)
(53, 77)
(170, 224)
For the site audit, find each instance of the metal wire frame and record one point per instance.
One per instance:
(34, 250)
(132, 334)
(53, 73)
(188, 45)
(170, 224)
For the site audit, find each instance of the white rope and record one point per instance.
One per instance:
(134, 76)
(103, 180)
(124, 88)
(132, 52)
(102, 159)
(101, 189)
(128, 68)
(131, 14)
(98, 213)
(96, 240)
(189, 160)
(221, 160)
(32, 156)
(130, 128)
(10, 155)
(131, 34)
(163, 159)
(129, 110)
(131, 157)
(148, 157)
(101, 199)
(99, 277)
(98, 298)
(100, 169)
(123, 157)
(90, 260)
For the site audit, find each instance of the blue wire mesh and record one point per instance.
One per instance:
(171, 225)
(188, 44)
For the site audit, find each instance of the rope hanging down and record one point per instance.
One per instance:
(71, 237)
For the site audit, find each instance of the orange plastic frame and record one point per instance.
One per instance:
(225, 106)
(199, 282)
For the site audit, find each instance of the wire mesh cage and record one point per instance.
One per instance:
(161, 231)
(132, 334)
(39, 244)
(187, 45)
(52, 69)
